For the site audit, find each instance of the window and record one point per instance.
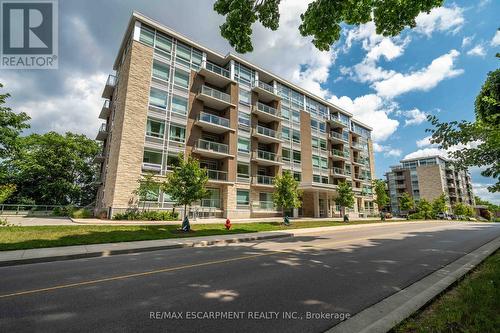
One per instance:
(153, 157)
(183, 54)
(285, 112)
(179, 104)
(172, 161)
(296, 116)
(296, 136)
(285, 133)
(315, 142)
(242, 197)
(322, 144)
(322, 127)
(315, 160)
(297, 176)
(285, 154)
(163, 43)
(243, 145)
(147, 36)
(151, 194)
(181, 78)
(316, 179)
(244, 96)
(160, 70)
(196, 59)
(266, 196)
(155, 128)
(177, 133)
(243, 119)
(243, 170)
(324, 163)
(158, 98)
(213, 199)
(297, 156)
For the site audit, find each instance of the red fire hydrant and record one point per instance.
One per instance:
(228, 224)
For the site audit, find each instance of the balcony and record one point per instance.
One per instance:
(360, 161)
(216, 175)
(358, 146)
(214, 98)
(266, 158)
(266, 113)
(340, 155)
(98, 159)
(338, 172)
(102, 134)
(266, 135)
(211, 149)
(264, 180)
(215, 74)
(335, 121)
(340, 138)
(212, 123)
(109, 87)
(265, 91)
(105, 110)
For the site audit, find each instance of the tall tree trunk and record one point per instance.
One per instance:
(185, 206)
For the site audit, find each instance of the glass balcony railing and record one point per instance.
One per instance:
(102, 128)
(213, 203)
(213, 119)
(267, 109)
(217, 69)
(265, 180)
(339, 171)
(267, 155)
(338, 119)
(213, 146)
(264, 86)
(217, 175)
(205, 90)
(343, 136)
(341, 153)
(267, 132)
(111, 81)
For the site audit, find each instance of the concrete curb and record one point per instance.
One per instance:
(20, 257)
(384, 315)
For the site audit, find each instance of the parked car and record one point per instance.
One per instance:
(442, 216)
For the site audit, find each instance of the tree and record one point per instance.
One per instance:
(286, 192)
(479, 141)
(462, 209)
(491, 207)
(382, 199)
(345, 196)
(148, 188)
(186, 183)
(11, 125)
(322, 20)
(6, 191)
(424, 208)
(439, 205)
(53, 169)
(406, 202)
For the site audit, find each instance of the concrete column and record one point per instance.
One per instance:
(137, 30)
(316, 204)
(231, 69)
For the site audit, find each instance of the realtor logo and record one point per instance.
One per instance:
(29, 34)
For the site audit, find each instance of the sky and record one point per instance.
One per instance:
(390, 83)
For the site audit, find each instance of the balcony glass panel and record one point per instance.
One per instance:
(213, 119)
(213, 146)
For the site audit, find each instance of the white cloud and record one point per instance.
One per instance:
(440, 19)
(477, 50)
(387, 150)
(414, 117)
(425, 142)
(372, 110)
(425, 79)
(467, 40)
(426, 152)
(388, 49)
(496, 39)
(481, 190)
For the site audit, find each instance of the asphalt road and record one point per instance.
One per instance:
(314, 279)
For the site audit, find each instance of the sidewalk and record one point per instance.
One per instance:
(17, 257)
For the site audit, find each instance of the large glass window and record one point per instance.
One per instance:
(179, 104)
(324, 163)
(155, 128)
(296, 116)
(147, 36)
(153, 157)
(297, 156)
(285, 112)
(151, 194)
(183, 54)
(243, 197)
(296, 136)
(177, 133)
(243, 145)
(172, 161)
(315, 142)
(286, 154)
(164, 43)
(160, 70)
(243, 170)
(243, 119)
(285, 133)
(244, 96)
(181, 78)
(158, 98)
(297, 176)
(315, 161)
(322, 144)
(213, 199)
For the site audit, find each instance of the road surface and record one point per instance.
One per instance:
(302, 284)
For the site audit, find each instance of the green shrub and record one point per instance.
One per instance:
(416, 216)
(81, 213)
(63, 211)
(152, 215)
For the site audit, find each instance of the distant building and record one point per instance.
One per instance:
(428, 178)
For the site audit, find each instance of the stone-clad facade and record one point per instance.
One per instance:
(171, 95)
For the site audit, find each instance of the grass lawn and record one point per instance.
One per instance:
(471, 306)
(18, 238)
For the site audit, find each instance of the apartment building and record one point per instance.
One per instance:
(428, 178)
(171, 95)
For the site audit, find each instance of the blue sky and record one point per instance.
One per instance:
(390, 83)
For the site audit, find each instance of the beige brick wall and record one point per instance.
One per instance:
(127, 144)
(429, 182)
(306, 147)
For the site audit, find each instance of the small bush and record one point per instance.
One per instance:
(152, 215)
(416, 216)
(63, 211)
(81, 213)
